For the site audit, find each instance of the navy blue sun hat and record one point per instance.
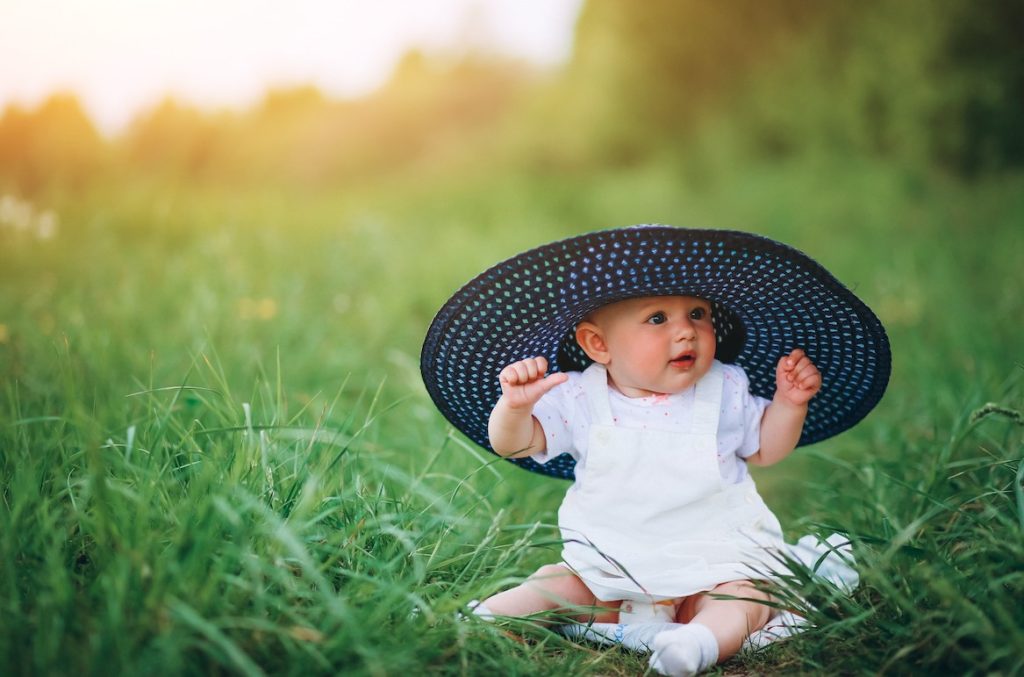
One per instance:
(767, 299)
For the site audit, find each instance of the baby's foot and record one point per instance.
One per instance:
(684, 651)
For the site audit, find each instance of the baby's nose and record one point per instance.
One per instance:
(686, 329)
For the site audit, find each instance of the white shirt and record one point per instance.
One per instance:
(565, 417)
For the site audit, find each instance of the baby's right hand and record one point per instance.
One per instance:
(523, 383)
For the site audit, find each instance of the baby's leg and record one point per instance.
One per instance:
(714, 630)
(553, 586)
(730, 620)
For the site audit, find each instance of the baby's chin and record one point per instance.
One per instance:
(671, 386)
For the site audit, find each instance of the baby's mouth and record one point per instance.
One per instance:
(684, 359)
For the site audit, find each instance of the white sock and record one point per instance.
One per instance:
(635, 636)
(684, 651)
(480, 610)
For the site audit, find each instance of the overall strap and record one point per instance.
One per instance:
(595, 387)
(707, 401)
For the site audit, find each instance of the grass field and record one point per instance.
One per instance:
(216, 455)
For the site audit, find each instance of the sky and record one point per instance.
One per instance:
(123, 56)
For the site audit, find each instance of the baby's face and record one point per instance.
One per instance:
(656, 344)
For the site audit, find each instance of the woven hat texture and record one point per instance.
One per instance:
(767, 299)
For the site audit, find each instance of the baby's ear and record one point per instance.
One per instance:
(591, 340)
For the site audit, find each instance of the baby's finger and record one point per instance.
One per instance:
(551, 381)
(533, 369)
(795, 357)
(798, 361)
(782, 370)
(802, 365)
(809, 378)
(787, 362)
(524, 371)
(513, 374)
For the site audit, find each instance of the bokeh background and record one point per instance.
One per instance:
(224, 231)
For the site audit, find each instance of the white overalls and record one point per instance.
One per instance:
(652, 520)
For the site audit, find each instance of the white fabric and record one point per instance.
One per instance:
(480, 610)
(566, 419)
(735, 508)
(633, 636)
(829, 560)
(684, 651)
(649, 516)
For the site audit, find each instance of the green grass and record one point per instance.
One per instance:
(216, 454)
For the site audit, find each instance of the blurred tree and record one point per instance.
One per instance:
(294, 101)
(913, 81)
(436, 107)
(280, 140)
(173, 138)
(983, 53)
(433, 109)
(644, 75)
(920, 83)
(54, 144)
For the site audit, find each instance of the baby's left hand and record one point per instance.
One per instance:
(797, 380)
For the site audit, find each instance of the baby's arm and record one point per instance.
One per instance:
(512, 429)
(797, 380)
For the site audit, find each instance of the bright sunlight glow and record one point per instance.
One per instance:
(120, 56)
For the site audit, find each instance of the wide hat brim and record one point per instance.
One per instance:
(767, 299)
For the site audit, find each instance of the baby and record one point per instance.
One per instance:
(665, 540)
(662, 510)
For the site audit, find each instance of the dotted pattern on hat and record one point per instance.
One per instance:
(767, 299)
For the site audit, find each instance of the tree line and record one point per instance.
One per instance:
(928, 84)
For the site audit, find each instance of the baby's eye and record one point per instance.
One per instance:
(657, 318)
(698, 313)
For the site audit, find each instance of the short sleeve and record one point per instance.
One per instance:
(751, 409)
(554, 411)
